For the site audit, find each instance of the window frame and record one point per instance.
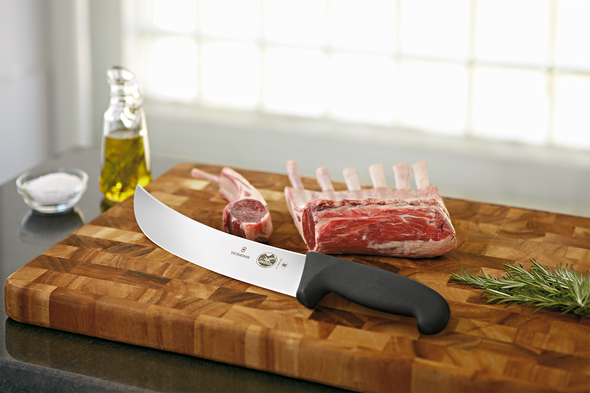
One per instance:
(543, 177)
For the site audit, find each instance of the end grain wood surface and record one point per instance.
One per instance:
(108, 280)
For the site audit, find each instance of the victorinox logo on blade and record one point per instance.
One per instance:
(267, 259)
(241, 254)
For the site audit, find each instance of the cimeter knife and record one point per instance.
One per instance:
(307, 277)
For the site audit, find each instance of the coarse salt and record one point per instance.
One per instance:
(53, 188)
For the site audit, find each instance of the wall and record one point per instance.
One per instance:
(105, 44)
(44, 81)
(24, 83)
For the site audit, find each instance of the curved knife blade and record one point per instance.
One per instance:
(232, 256)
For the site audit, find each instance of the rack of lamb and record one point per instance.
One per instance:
(377, 221)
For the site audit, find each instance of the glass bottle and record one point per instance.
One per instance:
(125, 158)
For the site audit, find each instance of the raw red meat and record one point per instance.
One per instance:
(246, 214)
(377, 221)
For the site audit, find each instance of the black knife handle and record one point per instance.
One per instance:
(373, 288)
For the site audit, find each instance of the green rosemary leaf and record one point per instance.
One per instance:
(563, 290)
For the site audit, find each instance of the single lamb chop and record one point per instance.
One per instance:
(377, 221)
(246, 214)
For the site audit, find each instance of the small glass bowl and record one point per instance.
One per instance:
(52, 190)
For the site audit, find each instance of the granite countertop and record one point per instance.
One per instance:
(36, 359)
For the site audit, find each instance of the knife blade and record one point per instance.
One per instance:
(307, 277)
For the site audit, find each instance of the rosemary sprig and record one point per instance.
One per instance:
(563, 289)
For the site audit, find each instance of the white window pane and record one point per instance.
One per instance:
(301, 22)
(175, 15)
(174, 69)
(512, 31)
(435, 28)
(572, 46)
(238, 19)
(572, 111)
(138, 59)
(139, 14)
(231, 74)
(363, 25)
(433, 96)
(295, 81)
(510, 105)
(362, 88)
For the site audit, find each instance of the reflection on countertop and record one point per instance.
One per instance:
(47, 229)
(106, 204)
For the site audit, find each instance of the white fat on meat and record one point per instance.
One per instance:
(379, 220)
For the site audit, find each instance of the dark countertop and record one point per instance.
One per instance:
(36, 359)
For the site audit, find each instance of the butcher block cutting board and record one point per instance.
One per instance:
(108, 280)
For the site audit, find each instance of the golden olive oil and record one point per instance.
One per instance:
(125, 163)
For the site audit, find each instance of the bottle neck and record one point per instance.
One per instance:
(123, 100)
(127, 94)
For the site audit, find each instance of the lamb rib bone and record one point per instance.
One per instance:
(377, 221)
(246, 214)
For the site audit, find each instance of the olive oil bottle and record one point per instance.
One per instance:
(125, 158)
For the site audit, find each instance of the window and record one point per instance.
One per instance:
(514, 70)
